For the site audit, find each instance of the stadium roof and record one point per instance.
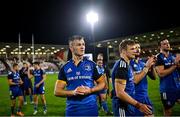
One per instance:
(13, 48)
(148, 39)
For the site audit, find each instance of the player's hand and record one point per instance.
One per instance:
(177, 60)
(20, 82)
(150, 62)
(146, 109)
(78, 91)
(37, 85)
(87, 90)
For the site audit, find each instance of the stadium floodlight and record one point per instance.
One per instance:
(92, 18)
(7, 46)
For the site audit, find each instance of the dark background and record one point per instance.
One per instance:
(53, 21)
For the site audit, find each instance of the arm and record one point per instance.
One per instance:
(85, 90)
(153, 74)
(120, 85)
(160, 68)
(60, 91)
(100, 84)
(20, 81)
(161, 71)
(30, 76)
(139, 76)
(10, 82)
(44, 78)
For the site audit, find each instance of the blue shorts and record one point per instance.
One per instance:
(15, 92)
(120, 109)
(39, 90)
(82, 110)
(169, 98)
(144, 100)
(27, 83)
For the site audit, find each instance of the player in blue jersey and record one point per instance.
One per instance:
(123, 83)
(27, 84)
(167, 69)
(141, 69)
(76, 82)
(14, 82)
(103, 93)
(39, 89)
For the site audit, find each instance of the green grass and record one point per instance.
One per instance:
(56, 105)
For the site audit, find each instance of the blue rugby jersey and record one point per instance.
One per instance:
(121, 70)
(101, 70)
(142, 87)
(15, 77)
(85, 73)
(171, 82)
(38, 75)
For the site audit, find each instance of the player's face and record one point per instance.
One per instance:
(25, 65)
(131, 51)
(78, 47)
(16, 68)
(35, 66)
(165, 45)
(138, 50)
(100, 60)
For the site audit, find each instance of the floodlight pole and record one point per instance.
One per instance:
(32, 48)
(19, 55)
(92, 18)
(93, 38)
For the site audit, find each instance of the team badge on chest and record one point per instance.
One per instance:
(87, 67)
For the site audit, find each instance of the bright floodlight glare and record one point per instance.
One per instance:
(92, 17)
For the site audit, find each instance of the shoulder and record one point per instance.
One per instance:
(122, 64)
(159, 55)
(67, 64)
(10, 73)
(90, 61)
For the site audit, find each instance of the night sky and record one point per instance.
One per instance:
(53, 21)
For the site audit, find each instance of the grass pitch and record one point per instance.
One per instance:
(56, 105)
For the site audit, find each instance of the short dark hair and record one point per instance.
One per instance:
(75, 37)
(36, 63)
(24, 63)
(124, 43)
(159, 42)
(136, 42)
(15, 64)
(100, 54)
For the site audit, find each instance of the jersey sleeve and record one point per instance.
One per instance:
(96, 74)
(10, 76)
(62, 75)
(43, 72)
(159, 61)
(122, 71)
